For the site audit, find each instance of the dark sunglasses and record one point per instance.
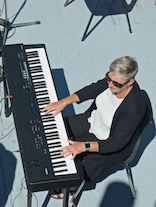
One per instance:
(119, 85)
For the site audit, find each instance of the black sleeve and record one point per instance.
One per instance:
(92, 91)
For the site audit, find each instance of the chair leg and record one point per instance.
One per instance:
(78, 191)
(84, 35)
(66, 3)
(124, 3)
(130, 178)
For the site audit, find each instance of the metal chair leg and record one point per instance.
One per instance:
(78, 191)
(84, 35)
(130, 178)
(66, 3)
(124, 3)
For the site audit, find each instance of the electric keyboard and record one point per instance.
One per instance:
(40, 136)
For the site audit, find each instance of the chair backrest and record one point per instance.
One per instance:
(148, 118)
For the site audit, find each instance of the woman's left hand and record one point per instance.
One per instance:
(73, 149)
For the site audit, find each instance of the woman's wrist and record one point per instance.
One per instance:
(64, 103)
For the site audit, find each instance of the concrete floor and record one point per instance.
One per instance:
(61, 30)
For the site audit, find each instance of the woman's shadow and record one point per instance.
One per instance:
(106, 8)
(7, 174)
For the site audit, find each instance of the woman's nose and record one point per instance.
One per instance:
(110, 84)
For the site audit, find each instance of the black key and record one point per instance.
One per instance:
(54, 146)
(51, 133)
(43, 103)
(40, 86)
(32, 54)
(55, 151)
(53, 126)
(32, 62)
(36, 71)
(43, 98)
(52, 138)
(59, 171)
(58, 163)
(37, 77)
(36, 67)
(44, 119)
(41, 93)
(60, 166)
(57, 157)
(55, 154)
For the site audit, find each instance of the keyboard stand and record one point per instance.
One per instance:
(8, 25)
(65, 198)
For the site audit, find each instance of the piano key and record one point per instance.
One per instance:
(50, 119)
(50, 127)
(54, 146)
(37, 77)
(40, 86)
(55, 163)
(35, 74)
(36, 68)
(51, 133)
(63, 165)
(51, 149)
(50, 138)
(42, 98)
(60, 171)
(55, 153)
(32, 54)
(57, 157)
(43, 101)
(42, 107)
(54, 143)
(51, 141)
(41, 91)
(35, 61)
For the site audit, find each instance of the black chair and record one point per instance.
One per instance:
(145, 124)
(93, 12)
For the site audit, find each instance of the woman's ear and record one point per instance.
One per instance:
(131, 82)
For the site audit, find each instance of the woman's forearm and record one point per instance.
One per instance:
(71, 99)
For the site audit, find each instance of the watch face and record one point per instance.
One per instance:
(87, 145)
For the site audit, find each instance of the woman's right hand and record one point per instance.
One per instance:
(55, 107)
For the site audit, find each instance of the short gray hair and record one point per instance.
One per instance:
(126, 67)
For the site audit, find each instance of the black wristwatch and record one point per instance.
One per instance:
(87, 146)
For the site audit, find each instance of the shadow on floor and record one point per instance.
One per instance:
(117, 194)
(106, 8)
(7, 174)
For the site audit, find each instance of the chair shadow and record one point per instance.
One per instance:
(117, 195)
(7, 173)
(148, 136)
(106, 8)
